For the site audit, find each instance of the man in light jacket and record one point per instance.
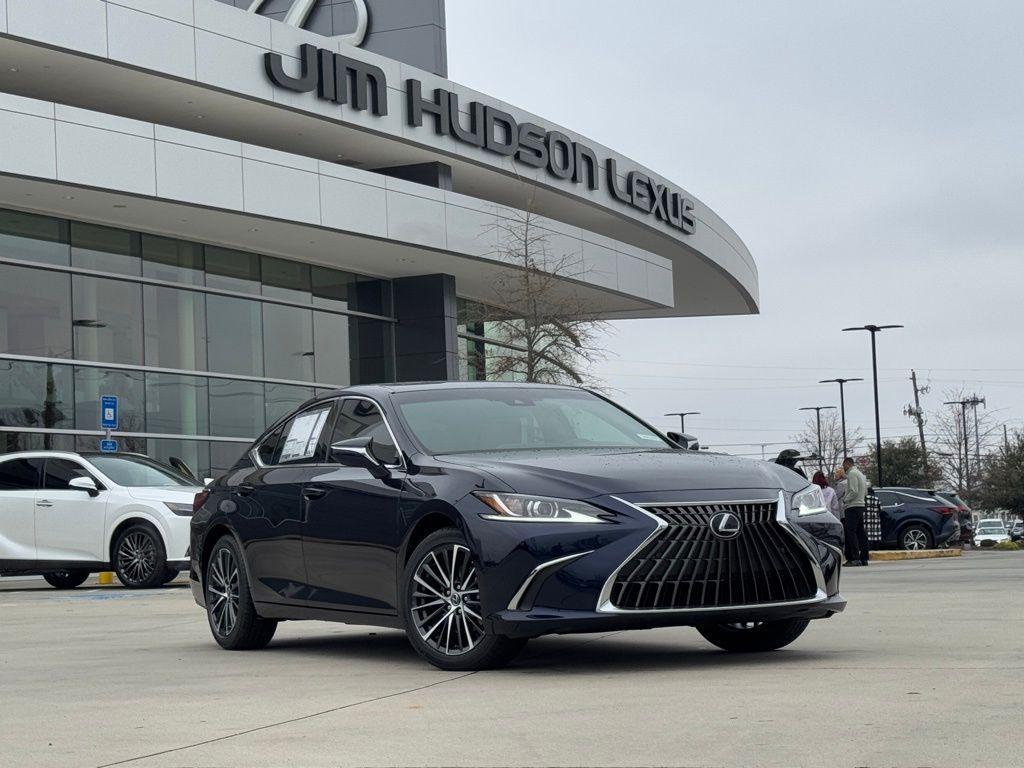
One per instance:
(853, 514)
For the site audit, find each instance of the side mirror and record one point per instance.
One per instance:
(358, 452)
(683, 440)
(86, 484)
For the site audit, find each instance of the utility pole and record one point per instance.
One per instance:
(873, 330)
(974, 402)
(1006, 441)
(842, 406)
(817, 413)
(967, 449)
(918, 415)
(682, 418)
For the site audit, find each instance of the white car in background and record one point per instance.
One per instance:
(65, 515)
(989, 532)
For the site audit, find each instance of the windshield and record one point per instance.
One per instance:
(519, 418)
(137, 472)
(991, 528)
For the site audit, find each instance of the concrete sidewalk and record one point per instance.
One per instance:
(925, 668)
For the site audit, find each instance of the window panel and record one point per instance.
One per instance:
(282, 399)
(175, 328)
(36, 395)
(175, 260)
(129, 388)
(286, 279)
(236, 408)
(331, 348)
(288, 342)
(332, 288)
(232, 270)
(361, 418)
(105, 248)
(372, 351)
(223, 456)
(35, 441)
(34, 238)
(107, 320)
(195, 454)
(177, 405)
(234, 335)
(35, 313)
(20, 474)
(57, 473)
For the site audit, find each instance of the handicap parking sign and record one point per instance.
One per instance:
(108, 412)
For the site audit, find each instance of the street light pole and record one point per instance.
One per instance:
(842, 406)
(817, 414)
(682, 418)
(873, 330)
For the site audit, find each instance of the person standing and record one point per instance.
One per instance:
(832, 503)
(853, 514)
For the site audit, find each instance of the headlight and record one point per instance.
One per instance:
(179, 509)
(514, 507)
(810, 501)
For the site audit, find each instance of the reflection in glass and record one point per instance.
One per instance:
(331, 335)
(232, 270)
(34, 238)
(35, 317)
(195, 454)
(127, 386)
(107, 320)
(175, 328)
(35, 441)
(332, 288)
(284, 279)
(235, 338)
(105, 249)
(177, 405)
(287, 342)
(124, 444)
(372, 351)
(236, 408)
(175, 260)
(39, 395)
(223, 457)
(282, 399)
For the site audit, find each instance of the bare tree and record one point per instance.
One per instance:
(536, 325)
(960, 471)
(831, 439)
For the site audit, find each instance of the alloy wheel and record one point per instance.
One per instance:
(915, 539)
(136, 558)
(445, 602)
(222, 591)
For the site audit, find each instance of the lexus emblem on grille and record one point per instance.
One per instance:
(725, 525)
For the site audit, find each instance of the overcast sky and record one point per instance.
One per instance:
(870, 154)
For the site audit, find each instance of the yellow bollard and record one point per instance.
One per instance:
(106, 577)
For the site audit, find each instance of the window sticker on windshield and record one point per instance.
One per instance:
(304, 435)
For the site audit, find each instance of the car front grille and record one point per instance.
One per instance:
(686, 566)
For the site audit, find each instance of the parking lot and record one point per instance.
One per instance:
(926, 667)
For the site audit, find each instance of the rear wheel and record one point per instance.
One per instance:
(66, 579)
(229, 608)
(915, 537)
(441, 608)
(753, 636)
(139, 557)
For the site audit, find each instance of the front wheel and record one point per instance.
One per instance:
(66, 579)
(753, 636)
(139, 557)
(229, 608)
(442, 611)
(916, 537)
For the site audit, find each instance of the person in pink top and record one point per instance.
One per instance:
(831, 500)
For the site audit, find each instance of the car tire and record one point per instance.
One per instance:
(66, 579)
(234, 622)
(139, 557)
(170, 574)
(916, 537)
(449, 630)
(753, 637)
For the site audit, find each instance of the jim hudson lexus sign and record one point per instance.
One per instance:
(344, 80)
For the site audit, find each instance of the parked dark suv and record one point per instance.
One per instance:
(965, 516)
(912, 518)
(478, 515)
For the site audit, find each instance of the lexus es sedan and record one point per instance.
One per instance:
(478, 515)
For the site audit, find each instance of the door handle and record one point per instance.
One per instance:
(314, 492)
(44, 503)
(244, 490)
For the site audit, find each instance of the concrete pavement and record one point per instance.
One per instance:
(926, 667)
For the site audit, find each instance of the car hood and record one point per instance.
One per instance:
(179, 493)
(588, 473)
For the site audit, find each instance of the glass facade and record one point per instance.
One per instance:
(487, 342)
(203, 345)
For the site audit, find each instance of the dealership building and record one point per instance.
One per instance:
(213, 209)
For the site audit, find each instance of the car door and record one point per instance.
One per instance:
(69, 521)
(891, 512)
(269, 510)
(19, 481)
(352, 532)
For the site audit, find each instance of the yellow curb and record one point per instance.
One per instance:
(919, 554)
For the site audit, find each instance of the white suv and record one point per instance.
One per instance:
(65, 515)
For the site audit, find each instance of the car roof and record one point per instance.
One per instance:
(377, 390)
